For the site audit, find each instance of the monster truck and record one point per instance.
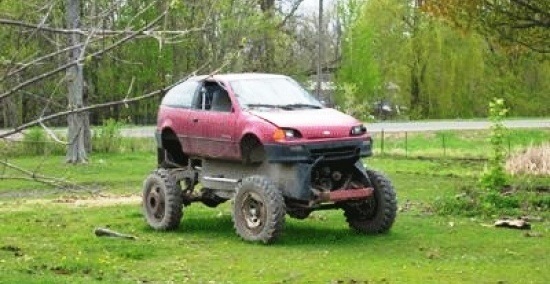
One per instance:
(265, 143)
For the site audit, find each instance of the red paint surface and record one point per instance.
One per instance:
(218, 134)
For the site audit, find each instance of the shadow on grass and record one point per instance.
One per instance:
(309, 232)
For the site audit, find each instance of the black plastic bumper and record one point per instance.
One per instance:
(309, 152)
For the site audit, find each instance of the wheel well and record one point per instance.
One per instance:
(171, 149)
(252, 149)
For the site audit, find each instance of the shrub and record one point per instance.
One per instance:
(34, 141)
(490, 204)
(494, 177)
(107, 137)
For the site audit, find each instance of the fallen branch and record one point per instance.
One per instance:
(513, 224)
(33, 176)
(103, 232)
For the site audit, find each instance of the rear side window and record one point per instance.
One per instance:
(181, 95)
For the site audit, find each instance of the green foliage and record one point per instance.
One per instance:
(352, 104)
(359, 67)
(107, 138)
(35, 141)
(441, 71)
(494, 178)
(472, 203)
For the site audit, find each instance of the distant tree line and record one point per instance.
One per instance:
(192, 35)
(437, 59)
(448, 58)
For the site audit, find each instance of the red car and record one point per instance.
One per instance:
(265, 142)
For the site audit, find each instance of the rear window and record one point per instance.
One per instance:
(181, 95)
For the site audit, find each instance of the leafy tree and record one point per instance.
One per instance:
(513, 22)
(440, 71)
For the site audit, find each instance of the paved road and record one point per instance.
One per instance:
(148, 131)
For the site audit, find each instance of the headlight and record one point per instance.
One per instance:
(286, 134)
(358, 130)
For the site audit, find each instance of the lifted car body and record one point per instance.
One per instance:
(263, 141)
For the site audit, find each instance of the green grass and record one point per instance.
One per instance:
(117, 173)
(57, 245)
(44, 241)
(454, 144)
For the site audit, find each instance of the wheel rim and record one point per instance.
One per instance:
(253, 211)
(366, 209)
(155, 203)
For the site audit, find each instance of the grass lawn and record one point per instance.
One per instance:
(48, 238)
(454, 144)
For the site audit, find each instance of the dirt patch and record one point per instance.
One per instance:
(99, 200)
(72, 201)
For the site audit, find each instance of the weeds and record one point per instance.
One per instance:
(37, 143)
(535, 160)
(34, 141)
(494, 177)
(107, 138)
(472, 203)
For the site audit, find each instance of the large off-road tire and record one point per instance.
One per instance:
(258, 210)
(376, 214)
(162, 201)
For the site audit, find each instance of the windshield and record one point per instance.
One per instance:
(272, 93)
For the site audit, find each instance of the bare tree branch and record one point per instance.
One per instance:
(291, 13)
(98, 106)
(24, 66)
(144, 32)
(70, 64)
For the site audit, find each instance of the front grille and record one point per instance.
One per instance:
(335, 152)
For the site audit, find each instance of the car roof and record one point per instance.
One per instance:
(237, 76)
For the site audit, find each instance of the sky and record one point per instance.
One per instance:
(313, 5)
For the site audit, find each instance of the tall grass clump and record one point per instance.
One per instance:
(107, 138)
(535, 160)
(35, 141)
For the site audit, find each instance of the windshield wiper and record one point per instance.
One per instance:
(285, 107)
(292, 106)
(264, 105)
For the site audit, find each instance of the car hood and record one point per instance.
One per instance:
(312, 123)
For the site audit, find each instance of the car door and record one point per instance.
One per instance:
(178, 108)
(213, 120)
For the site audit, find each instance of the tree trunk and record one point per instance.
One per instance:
(268, 45)
(78, 123)
(10, 113)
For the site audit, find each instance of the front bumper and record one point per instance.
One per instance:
(309, 152)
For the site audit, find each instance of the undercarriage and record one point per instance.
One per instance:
(265, 192)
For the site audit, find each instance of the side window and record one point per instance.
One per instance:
(181, 95)
(213, 97)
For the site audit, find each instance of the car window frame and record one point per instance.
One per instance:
(175, 92)
(199, 102)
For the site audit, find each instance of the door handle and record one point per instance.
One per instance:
(195, 120)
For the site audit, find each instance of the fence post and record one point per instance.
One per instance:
(382, 142)
(406, 144)
(444, 145)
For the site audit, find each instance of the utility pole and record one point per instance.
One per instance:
(319, 49)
